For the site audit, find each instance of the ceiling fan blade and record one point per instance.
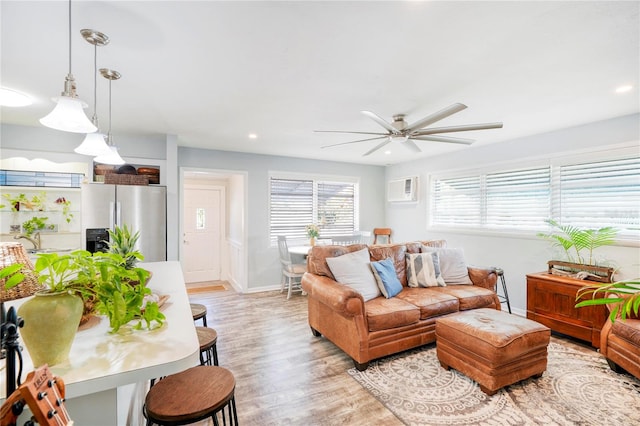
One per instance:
(361, 140)
(412, 146)
(381, 122)
(377, 147)
(443, 139)
(345, 131)
(436, 116)
(463, 128)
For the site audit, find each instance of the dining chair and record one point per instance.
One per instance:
(381, 232)
(345, 240)
(291, 272)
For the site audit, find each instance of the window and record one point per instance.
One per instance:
(295, 203)
(606, 193)
(590, 194)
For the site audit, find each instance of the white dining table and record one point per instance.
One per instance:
(300, 250)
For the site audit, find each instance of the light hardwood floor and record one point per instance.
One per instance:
(285, 375)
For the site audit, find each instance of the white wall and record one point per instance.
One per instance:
(263, 264)
(518, 255)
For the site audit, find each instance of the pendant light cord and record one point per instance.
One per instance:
(95, 84)
(69, 37)
(110, 142)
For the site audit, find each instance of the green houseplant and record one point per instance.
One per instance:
(624, 296)
(122, 241)
(578, 245)
(117, 294)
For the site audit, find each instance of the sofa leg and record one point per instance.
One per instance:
(615, 367)
(360, 367)
(315, 332)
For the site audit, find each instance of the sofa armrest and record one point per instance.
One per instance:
(340, 298)
(483, 277)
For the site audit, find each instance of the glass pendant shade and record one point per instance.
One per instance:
(69, 116)
(94, 145)
(112, 157)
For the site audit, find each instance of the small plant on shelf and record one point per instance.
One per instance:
(66, 208)
(35, 224)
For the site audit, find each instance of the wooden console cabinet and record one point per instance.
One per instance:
(551, 301)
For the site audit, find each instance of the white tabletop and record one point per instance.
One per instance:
(99, 360)
(303, 250)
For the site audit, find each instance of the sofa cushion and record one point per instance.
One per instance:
(394, 251)
(421, 270)
(469, 296)
(353, 269)
(317, 258)
(430, 303)
(384, 314)
(385, 275)
(452, 264)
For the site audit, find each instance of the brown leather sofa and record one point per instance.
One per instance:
(620, 344)
(380, 327)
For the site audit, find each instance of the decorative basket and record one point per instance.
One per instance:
(125, 179)
(11, 253)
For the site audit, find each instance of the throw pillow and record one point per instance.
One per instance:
(385, 275)
(421, 271)
(353, 269)
(452, 265)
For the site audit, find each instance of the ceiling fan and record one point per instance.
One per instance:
(401, 131)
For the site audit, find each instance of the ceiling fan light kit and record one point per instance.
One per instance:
(68, 114)
(400, 131)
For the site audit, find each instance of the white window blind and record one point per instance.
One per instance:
(291, 208)
(518, 199)
(336, 208)
(457, 201)
(603, 193)
(295, 203)
(591, 194)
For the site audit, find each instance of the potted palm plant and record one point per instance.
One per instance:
(578, 245)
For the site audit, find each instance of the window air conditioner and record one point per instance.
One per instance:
(403, 189)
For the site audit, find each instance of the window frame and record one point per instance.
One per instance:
(315, 178)
(619, 152)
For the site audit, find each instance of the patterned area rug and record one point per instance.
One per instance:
(578, 388)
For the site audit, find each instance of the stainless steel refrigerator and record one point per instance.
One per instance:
(141, 208)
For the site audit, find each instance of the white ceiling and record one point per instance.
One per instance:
(212, 72)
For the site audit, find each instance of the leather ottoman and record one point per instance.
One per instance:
(494, 348)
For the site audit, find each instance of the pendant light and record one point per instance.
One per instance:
(68, 114)
(94, 144)
(112, 157)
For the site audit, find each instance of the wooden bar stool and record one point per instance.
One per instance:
(192, 395)
(199, 311)
(207, 337)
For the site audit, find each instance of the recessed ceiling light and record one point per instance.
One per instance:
(12, 98)
(623, 89)
(253, 136)
(387, 152)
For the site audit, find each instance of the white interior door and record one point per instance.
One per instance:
(202, 235)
